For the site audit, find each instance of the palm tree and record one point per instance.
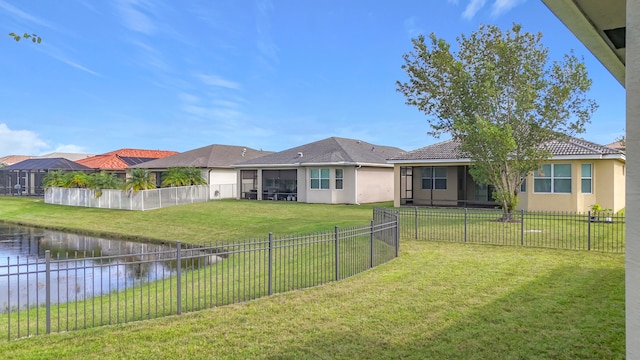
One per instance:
(75, 179)
(54, 178)
(175, 176)
(104, 180)
(195, 176)
(139, 179)
(183, 176)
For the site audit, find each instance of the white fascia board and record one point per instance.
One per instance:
(468, 161)
(325, 164)
(431, 161)
(346, 164)
(582, 27)
(260, 166)
(588, 157)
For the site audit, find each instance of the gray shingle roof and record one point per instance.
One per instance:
(450, 150)
(46, 164)
(331, 150)
(212, 156)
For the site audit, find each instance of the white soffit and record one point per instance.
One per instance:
(600, 25)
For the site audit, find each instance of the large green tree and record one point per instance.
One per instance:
(501, 98)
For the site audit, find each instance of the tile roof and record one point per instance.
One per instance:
(450, 150)
(330, 150)
(141, 153)
(46, 164)
(68, 156)
(12, 159)
(618, 145)
(123, 158)
(212, 156)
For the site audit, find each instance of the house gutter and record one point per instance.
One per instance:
(209, 182)
(356, 184)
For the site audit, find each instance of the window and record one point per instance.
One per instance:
(434, 178)
(523, 185)
(553, 178)
(339, 178)
(320, 178)
(586, 179)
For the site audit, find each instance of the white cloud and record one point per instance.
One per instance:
(151, 57)
(23, 15)
(215, 80)
(20, 142)
(498, 8)
(412, 27)
(77, 66)
(267, 47)
(134, 16)
(55, 53)
(188, 98)
(472, 8)
(70, 148)
(502, 6)
(27, 142)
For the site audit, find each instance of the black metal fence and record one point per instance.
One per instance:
(64, 293)
(600, 231)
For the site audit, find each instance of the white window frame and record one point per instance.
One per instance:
(552, 179)
(339, 179)
(323, 183)
(583, 178)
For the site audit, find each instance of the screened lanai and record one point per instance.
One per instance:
(25, 177)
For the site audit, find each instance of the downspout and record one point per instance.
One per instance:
(356, 185)
(209, 182)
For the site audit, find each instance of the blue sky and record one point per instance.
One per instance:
(169, 75)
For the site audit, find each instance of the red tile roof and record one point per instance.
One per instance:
(152, 154)
(114, 160)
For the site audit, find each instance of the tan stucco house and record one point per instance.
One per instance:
(330, 171)
(578, 175)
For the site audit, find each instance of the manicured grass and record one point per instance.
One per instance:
(242, 274)
(551, 230)
(223, 221)
(437, 301)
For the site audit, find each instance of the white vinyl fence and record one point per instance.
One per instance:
(126, 200)
(222, 191)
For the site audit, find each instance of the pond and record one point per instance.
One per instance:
(81, 266)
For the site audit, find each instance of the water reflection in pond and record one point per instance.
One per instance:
(81, 266)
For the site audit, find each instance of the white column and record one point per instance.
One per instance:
(632, 256)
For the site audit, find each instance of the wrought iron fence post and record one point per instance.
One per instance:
(337, 254)
(465, 225)
(416, 221)
(371, 246)
(270, 270)
(397, 234)
(179, 278)
(589, 230)
(522, 227)
(47, 281)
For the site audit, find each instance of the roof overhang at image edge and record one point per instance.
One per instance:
(600, 26)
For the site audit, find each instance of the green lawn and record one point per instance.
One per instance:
(437, 301)
(551, 230)
(224, 221)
